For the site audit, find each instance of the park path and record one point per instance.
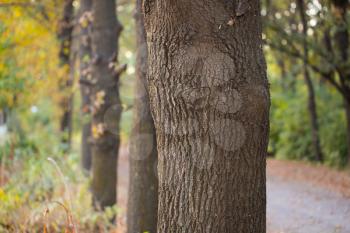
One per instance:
(303, 208)
(301, 198)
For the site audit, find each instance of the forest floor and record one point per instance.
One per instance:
(301, 198)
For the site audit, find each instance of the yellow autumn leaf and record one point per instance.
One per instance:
(99, 99)
(98, 130)
(2, 194)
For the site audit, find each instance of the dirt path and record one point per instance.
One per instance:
(302, 208)
(301, 198)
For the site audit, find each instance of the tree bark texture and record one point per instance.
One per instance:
(143, 185)
(210, 104)
(106, 106)
(85, 79)
(310, 87)
(65, 36)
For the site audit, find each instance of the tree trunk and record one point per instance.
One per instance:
(311, 92)
(347, 115)
(65, 36)
(106, 108)
(143, 185)
(3, 116)
(341, 39)
(282, 66)
(313, 116)
(210, 104)
(85, 75)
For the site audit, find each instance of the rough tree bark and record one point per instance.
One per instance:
(65, 36)
(210, 104)
(106, 107)
(310, 87)
(143, 184)
(85, 77)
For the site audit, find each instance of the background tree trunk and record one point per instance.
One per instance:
(67, 62)
(85, 77)
(210, 104)
(282, 66)
(347, 117)
(311, 92)
(106, 109)
(341, 39)
(143, 185)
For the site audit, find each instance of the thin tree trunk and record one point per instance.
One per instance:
(3, 116)
(311, 92)
(106, 104)
(313, 117)
(143, 185)
(282, 66)
(347, 115)
(85, 75)
(65, 36)
(210, 104)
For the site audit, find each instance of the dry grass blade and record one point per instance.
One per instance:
(70, 226)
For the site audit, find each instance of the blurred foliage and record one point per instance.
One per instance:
(37, 176)
(290, 135)
(33, 192)
(28, 63)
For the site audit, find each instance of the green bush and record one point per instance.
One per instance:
(290, 133)
(41, 177)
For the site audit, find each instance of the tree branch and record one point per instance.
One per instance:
(315, 68)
